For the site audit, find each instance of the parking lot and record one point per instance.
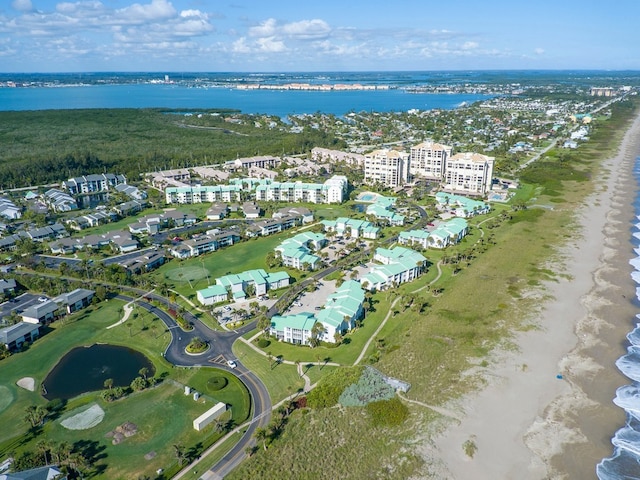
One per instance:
(19, 304)
(312, 301)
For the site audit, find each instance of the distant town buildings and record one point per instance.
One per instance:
(325, 155)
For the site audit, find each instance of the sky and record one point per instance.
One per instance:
(320, 35)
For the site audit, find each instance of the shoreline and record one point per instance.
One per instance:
(528, 423)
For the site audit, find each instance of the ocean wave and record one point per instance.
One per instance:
(628, 398)
(629, 364)
(622, 465)
(634, 335)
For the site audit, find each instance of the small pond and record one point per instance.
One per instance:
(360, 207)
(84, 369)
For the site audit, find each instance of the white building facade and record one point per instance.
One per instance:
(469, 173)
(428, 160)
(386, 167)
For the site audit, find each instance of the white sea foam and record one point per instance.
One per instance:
(628, 398)
(634, 335)
(629, 364)
(627, 439)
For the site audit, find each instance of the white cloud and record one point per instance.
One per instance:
(538, 51)
(270, 45)
(469, 45)
(265, 29)
(307, 29)
(156, 10)
(22, 5)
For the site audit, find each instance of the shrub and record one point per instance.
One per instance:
(216, 383)
(389, 413)
(370, 387)
(328, 391)
(264, 343)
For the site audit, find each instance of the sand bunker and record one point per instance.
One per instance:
(87, 418)
(28, 383)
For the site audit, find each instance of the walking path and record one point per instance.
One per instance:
(442, 411)
(127, 309)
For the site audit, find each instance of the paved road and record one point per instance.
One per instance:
(221, 350)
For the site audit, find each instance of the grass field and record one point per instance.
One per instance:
(163, 414)
(491, 296)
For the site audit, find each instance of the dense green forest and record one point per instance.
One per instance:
(38, 147)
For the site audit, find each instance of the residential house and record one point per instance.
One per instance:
(75, 300)
(47, 232)
(268, 227)
(414, 237)
(339, 314)
(217, 211)
(131, 191)
(296, 251)
(383, 209)
(14, 336)
(7, 286)
(59, 201)
(201, 244)
(332, 190)
(49, 472)
(448, 233)
(238, 285)
(251, 210)
(303, 212)
(461, 206)
(9, 210)
(325, 155)
(147, 261)
(352, 228)
(93, 183)
(40, 313)
(399, 265)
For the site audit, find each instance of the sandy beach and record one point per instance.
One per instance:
(528, 423)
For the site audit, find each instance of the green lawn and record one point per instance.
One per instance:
(163, 415)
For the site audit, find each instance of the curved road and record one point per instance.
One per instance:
(217, 355)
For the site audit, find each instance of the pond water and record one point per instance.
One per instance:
(360, 207)
(84, 369)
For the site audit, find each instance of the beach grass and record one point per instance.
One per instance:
(445, 351)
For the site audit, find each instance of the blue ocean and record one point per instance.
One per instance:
(625, 461)
(271, 102)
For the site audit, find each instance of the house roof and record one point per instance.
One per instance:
(74, 296)
(302, 321)
(40, 310)
(13, 332)
(213, 291)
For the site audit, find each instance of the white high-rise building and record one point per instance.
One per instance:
(387, 167)
(428, 160)
(469, 173)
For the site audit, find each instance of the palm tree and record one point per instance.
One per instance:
(108, 383)
(261, 435)
(44, 448)
(144, 371)
(179, 453)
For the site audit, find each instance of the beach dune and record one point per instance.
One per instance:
(547, 411)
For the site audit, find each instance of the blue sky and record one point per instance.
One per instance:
(322, 35)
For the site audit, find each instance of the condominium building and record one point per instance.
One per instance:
(200, 194)
(468, 172)
(93, 183)
(334, 190)
(428, 160)
(325, 155)
(386, 167)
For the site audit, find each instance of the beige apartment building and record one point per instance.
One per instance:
(428, 160)
(386, 167)
(469, 173)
